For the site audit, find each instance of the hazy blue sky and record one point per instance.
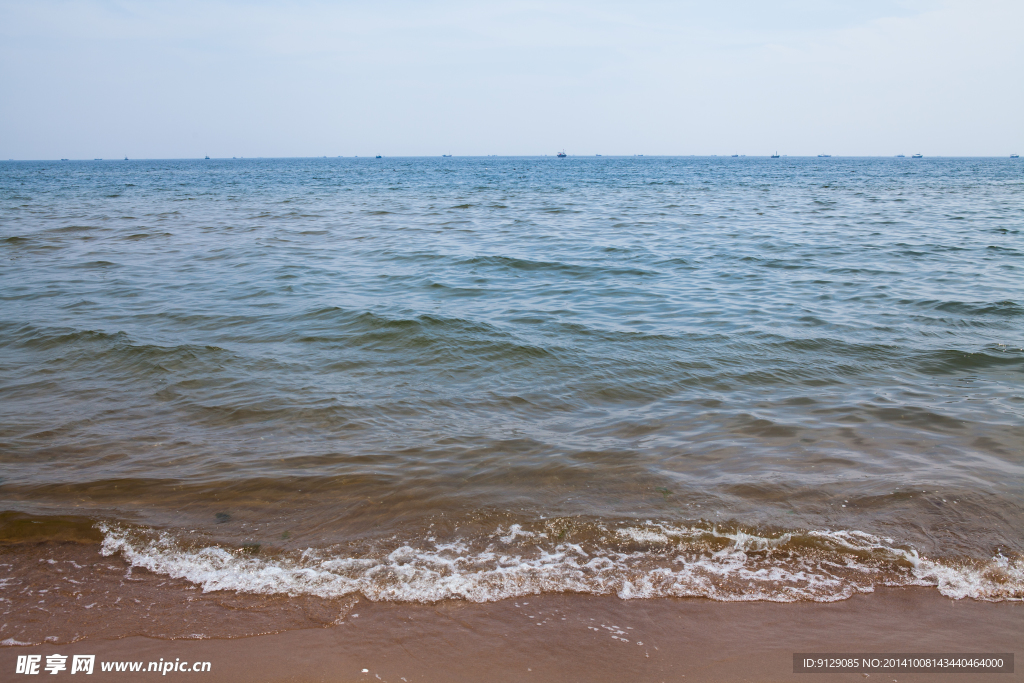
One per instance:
(184, 79)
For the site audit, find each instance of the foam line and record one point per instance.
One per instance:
(638, 561)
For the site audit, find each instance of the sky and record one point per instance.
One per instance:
(182, 79)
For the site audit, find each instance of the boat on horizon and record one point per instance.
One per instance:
(207, 157)
(126, 157)
(1015, 156)
(900, 156)
(775, 156)
(824, 156)
(917, 156)
(561, 154)
(443, 156)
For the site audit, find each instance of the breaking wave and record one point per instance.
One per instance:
(631, 561)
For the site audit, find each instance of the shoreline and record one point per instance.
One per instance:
(570, 637)
(496, 421)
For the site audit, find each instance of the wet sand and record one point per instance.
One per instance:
(586, 638)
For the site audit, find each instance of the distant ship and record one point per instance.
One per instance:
(560, 154)
(445, 155)
(63, 159)
(378, 156)
(1015, 156)
(597, 155)
(207, 157)
(126, 158)
(775, 156)
(917, 156)
(900, 156)
(824, 156)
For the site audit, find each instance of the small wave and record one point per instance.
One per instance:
(1000, 308)
(117, 350)
(146, 235)
(46, 337)
(951, 361)
(97, 264)
(577, 270)
(11, 642)
(431, 336)
(632, 561)
(75, 228)
(1005, 308)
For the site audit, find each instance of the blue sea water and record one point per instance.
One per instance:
(389, 374)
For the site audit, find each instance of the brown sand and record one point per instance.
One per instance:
(570, 638)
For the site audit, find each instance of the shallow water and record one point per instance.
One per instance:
(415, 379)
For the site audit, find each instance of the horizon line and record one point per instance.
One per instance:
(531, 156)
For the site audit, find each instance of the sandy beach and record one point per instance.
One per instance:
(584, 638)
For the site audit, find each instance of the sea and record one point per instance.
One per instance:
(276, 381)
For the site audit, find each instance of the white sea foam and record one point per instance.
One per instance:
(11, 642)
(654, 560)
